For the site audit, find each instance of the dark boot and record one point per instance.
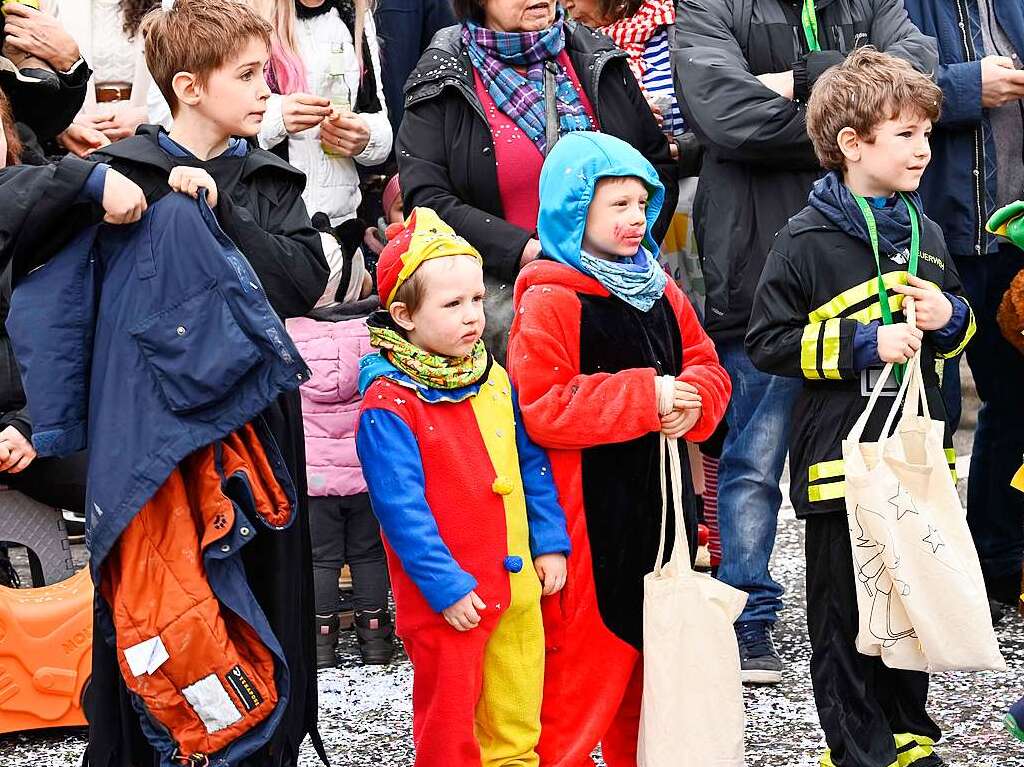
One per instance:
(376, 637)
(326, 641)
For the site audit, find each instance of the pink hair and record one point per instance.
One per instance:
(286, 71)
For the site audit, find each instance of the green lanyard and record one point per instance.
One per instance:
(809, 19)
(915, 252)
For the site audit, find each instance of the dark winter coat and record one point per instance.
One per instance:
(759, 164)
(819, 285)
(956, 188)
(446, 152)
(261, 210)
(404, 30)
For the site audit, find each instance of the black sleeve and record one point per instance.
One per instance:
(783, 338)
(422, 152)
(283, 247)
(894, 33)
(20, 420)
(730, 110)
(46, 112)
(809, 67)
(41, 211)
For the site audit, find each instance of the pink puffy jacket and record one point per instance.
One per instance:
(330, 401)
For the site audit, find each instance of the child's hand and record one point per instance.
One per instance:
(678, 422)
(190, 180)
(123, 200)
(933, 308)
(685, 397)
(551, 571)
(464, 615)
(899, 342)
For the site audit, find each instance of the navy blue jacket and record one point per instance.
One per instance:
(162, 335)
(958, 188)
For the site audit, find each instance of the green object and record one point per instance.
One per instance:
(1013, 727)
(1008, 222)
(915, 253)
(809, 20)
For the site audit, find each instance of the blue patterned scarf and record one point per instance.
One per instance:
(494, 54)
(639, 281)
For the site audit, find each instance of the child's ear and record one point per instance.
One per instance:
(849, 144)
(186, 88)
(402, 316)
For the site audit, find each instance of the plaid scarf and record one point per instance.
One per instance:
(633, 34)
(432, 371)
(494, 54)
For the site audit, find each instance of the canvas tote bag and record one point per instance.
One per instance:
(920, 595)
(689, 649)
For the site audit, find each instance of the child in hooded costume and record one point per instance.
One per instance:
(470, 516)
(599, 331)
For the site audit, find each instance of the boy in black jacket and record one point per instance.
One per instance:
(821, 313)
(208, 59)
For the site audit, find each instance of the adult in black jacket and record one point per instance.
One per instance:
(447, 152)
(743, 70)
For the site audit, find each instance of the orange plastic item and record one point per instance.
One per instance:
(45, 654)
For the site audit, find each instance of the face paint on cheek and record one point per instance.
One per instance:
(623, 233)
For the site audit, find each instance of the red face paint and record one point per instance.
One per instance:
(628, 234)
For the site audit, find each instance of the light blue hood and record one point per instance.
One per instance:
(567, 180)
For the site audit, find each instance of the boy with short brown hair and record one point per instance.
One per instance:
(829, 309)
(208, 60)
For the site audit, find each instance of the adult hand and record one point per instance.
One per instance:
(123, 122)
(678, 422)
(530, 253)
(123, 200)
(347, 133)
(656, 110)
(40, 35)
(465, 614)
(780, 82)
(1000, 81)
(190, 180)
(685, 396)
(19, 451)
(302, 111)
(933, 308)
(552, 572)
(899, 342)
(82, 140)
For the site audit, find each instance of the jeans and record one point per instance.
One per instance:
(749, 497)
(995, 511)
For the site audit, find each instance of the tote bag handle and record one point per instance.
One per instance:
(680, 546)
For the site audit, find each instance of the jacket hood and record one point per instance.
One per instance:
(567, 182)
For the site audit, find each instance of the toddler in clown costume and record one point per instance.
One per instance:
(472, 526)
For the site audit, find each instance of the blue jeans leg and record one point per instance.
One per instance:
(749, 497)
(995, 511)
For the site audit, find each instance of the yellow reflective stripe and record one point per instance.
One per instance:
(1018, 480)
(950, 456)
(809, 351)
(825, 470)
(855, 295)
(874, 311)
(830, 350)
(826, 492)
(923, 747)
(971, 328)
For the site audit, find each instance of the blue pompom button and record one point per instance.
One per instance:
(513, 564)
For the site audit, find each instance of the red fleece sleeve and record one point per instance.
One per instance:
(561, 408)
(700, 366)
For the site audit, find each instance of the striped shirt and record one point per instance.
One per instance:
(658, 80)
